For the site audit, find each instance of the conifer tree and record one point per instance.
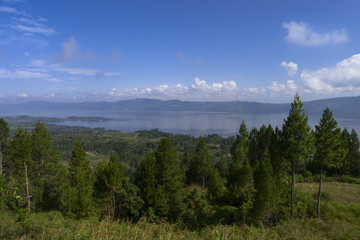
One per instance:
(186, 165)
(264, 183)
(223, 167)
(216, 188)
(201, 162)
(45, 169)
(146, 180)
(354, 156)
(20, 149)
(81, 204)
(296, 141)
(170, 179)
(345, 167)
(330, 149)
(351, 163)
(240, 181)
(4, 137)
(108, 184)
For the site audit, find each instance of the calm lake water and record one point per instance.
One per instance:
(193, 123)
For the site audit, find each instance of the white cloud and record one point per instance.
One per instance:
(53, 79)
(70, 49)
(4, 73)
(290, 67)
(29, 29)
(300, 33)
(23, 95)
(344, 78)
(85, 72)
(10, 10)
(279, 89)
(199, 90)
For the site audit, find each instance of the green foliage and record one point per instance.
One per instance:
(296, 141)
(295, 134)
(264, 183)
(240, 180)
(351, 162)
(201, 164)
(108, 183)
(199, 212)
(170, 180)
(161, 181)
(81, 203)
(146, 180)
(21, 163)
(10, 197)
(330, 149)
(216, 189)
(4, 137)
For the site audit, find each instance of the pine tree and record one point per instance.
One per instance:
(345, 167)
(186, 166)
(240, 181)
(264, 183)
(20, 155)
(170, 179)
(45, 169)
(81, 204)
(330, 149)
(216, 188)
(351, 163)
(4, 137)
(223, 167)
(146, 180)
(296, 141)
(201, 163)
(108, 184)
(280, 169)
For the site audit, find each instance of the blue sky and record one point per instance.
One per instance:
(193, 50)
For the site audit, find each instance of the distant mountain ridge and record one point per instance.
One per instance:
(344, 107)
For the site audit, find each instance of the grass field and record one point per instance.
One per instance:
(340, 211)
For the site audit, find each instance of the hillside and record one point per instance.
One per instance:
(345, 107)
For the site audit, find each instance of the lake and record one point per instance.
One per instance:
(192, 123)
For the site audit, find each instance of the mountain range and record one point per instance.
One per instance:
(343, 107)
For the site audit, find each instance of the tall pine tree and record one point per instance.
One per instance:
(170, 178)
(296, 141)
(46, 170)
(4, 137)
(201, 163)
(81, 203)
(240, 180)
(108, 184)
(330, 149)
(20, 157)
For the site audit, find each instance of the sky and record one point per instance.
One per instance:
(191, 50)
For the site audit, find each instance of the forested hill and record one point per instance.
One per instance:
(345, 107)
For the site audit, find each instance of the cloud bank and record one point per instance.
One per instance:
(344, 78)
(300, 33)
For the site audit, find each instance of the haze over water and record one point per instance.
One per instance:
(195, 123)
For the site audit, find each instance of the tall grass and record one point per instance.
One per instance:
(340, 211)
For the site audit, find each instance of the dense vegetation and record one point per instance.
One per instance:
(266, 183)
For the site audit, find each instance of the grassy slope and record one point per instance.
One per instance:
(341, 220)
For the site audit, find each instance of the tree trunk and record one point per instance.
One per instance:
(319, 195)
(203, 182)
(27, 187)
(293, 192)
